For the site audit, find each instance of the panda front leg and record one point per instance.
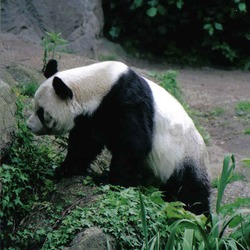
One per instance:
(129, 141)
(83, 148)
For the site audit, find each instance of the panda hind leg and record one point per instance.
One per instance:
(191, 187)
(126, 169)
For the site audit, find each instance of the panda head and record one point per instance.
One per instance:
(55, 106)
(67, 94)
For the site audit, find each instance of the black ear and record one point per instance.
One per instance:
(61, 89)
(50, 69)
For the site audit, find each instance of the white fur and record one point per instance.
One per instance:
(175, 136)
(89, 85)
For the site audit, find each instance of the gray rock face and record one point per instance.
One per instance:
(7, 117)
(79, 21)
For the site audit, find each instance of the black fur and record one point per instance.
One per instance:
(185, 186)
(40, 114)
(61, 89)
(50, 69)
(124, 123)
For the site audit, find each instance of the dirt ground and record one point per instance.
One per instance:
(211, 92)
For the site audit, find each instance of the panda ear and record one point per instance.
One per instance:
(61, 89)
(50, 69)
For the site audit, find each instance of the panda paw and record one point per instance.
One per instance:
(68, 170)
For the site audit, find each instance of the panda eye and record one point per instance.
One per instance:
(40, 114)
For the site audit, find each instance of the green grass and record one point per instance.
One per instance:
(28, 89)
(168, 81)
(247, 131)
(107, 58)
(246, 162)
(242, 108)
(217, 111)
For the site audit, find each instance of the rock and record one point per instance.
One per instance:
(80, 22)
(20, 74)
(7, 117)
(92, 239)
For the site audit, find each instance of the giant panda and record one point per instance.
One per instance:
(152, 139)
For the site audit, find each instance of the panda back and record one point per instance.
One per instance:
(175, 138)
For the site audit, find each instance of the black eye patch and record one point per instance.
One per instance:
(40, 114)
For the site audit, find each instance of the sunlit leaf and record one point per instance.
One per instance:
(152, 12)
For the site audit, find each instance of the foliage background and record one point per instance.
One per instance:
(215, 31)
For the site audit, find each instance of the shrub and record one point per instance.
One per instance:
(183, 31)
(25, 177)
(140, 219)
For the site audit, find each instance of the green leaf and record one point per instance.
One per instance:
(17, 201)
(188, 239)
(152, 11)
(137, 4)
(218, 26)
(114, 32)
(209, 28)
(144, 220)
(247, 36)
(179, 4)
(226, 172)
(242, 7)
(211, 31)
(236, 221)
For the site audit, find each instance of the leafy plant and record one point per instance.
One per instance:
(247, 131)
(212, 27)
(159, 225)
(50, 42)
(210, 234)
(164, 26)
(242, 108)
(225, 175)
(233, 177)
(25, 176)
(28, 89)
(168, 81)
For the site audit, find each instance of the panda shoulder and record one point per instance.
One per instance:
(114, 67)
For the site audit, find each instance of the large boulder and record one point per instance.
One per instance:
(92, 239)
(7, 117)
(79, 21)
